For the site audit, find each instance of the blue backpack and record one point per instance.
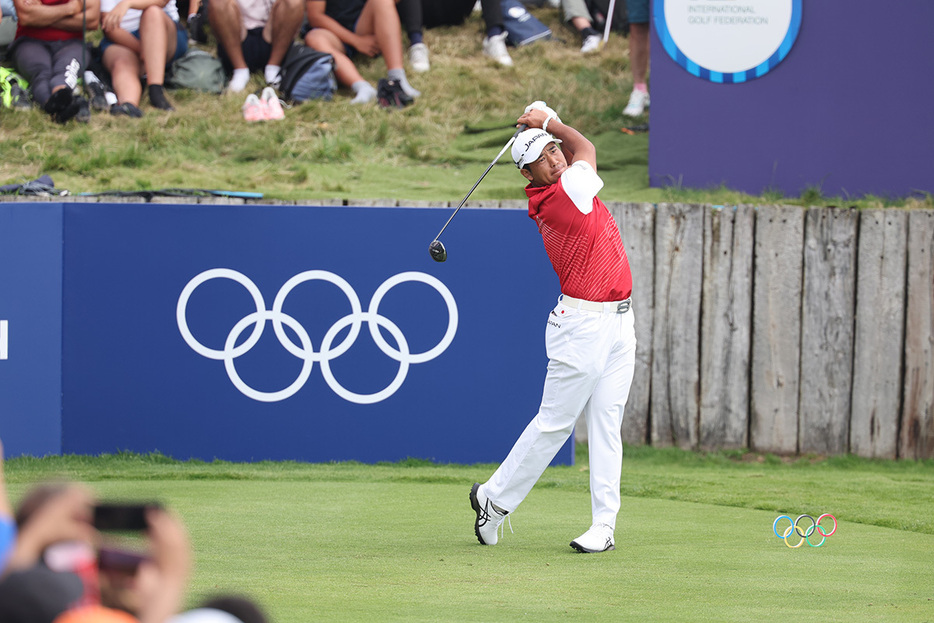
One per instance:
(307, 74)
(521, 26)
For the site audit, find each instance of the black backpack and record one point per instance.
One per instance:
(307, 74)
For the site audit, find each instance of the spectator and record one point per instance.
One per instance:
(140, 42)
(48, 51)
(577, 15)
(254, 35)
(638, 56)
(342, 28)
(419, 14)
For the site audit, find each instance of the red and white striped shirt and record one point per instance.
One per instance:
(581, 238)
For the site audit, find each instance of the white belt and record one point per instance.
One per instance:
(610, 307)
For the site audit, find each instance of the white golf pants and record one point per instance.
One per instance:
(591, 356)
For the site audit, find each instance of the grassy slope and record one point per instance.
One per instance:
(325, 150)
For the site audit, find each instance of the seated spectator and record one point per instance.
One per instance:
(419, 14)
(48, 51)
(577, 15)
(254, 35)
(343, 28)
(140, 42)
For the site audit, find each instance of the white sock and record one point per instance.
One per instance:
(239, 80)
(365, 92)
(399, 76)
(272, 73)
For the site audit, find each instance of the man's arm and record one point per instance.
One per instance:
(34, 14)
(76, 23)
(574, 144)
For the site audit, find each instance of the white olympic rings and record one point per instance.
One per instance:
(305, 350)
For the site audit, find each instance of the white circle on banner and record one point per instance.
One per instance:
(728, 36)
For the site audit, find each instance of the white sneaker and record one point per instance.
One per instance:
(418, 58)
(488, 518)
(591, 44)
(495, 48)
(598, 539)
(638, 102)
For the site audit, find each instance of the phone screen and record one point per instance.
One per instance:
(130, 517)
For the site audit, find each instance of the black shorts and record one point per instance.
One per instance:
(256, 52)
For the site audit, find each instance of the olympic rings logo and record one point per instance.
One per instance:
(806, 533)
(304, 350)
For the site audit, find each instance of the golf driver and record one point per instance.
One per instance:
(436, 248)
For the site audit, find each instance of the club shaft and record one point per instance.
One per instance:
(609, 20)
(495, 160)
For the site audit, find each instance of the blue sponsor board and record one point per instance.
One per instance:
(31, 328)
(309, 333)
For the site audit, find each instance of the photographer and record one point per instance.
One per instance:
(55, 568)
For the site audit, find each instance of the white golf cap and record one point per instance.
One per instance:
(529, 144)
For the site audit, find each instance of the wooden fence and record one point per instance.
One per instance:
(782, 329)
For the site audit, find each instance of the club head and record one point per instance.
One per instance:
(437, 250)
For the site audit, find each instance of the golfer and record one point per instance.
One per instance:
(589, 337)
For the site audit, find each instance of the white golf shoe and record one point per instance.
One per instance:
(598, 539)
(488, 518)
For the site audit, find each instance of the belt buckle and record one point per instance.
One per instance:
(623, 306)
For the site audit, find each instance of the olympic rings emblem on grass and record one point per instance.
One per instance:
(304, 349)
(804, 534)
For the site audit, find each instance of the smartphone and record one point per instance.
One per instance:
(122, 517)
(121, 560)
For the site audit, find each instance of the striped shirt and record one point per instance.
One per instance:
(581, 238)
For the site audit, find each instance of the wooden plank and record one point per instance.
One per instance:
(679, 247)
(636, 222)
(776, 329)
(917, 428)
(726, 328)
(880, 331)
(827, 324)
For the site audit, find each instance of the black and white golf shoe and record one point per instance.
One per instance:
(598, 539)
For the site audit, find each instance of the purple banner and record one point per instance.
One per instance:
(848, 110)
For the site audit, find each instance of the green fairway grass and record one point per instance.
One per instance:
(395, 542)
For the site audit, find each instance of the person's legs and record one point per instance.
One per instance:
(639, 52)
(576, 351)
(158, 39)
(34, 61)
(344, 69)
(380, 18)
(604, 416)
(638, 13)
(492, 16)
(227, 26)
(410, 16)
(124, 67)
(284, 22)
